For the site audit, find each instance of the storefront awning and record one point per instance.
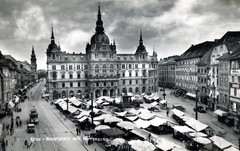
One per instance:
(191, 95)
(11, 104)
(220, 112)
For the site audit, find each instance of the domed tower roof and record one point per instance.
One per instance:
(52, 45)
(99, 36)
(141, 48)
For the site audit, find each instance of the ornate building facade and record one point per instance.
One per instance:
(100, 71)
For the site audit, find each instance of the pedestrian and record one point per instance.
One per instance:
(17, 123)
(20, 123)
(3, 145)
(77, 130)
(167, 112)
(26, 143)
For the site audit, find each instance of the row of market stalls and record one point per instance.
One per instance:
(198, 135)
(130, 125)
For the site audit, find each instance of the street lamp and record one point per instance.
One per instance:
(67, 98)
(92, 113)
(164, 94)
(196, 108)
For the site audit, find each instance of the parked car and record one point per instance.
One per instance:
(30, 128)
(199, 109)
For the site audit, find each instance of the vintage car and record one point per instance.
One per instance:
(30, 128)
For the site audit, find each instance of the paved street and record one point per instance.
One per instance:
(53, 133)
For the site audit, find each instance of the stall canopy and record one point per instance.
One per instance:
(140, 132)
(11, 104)
(142, 123)
(183, 129)
(231, 149)
(112, 119)
(165, 144)
(154, 103)
(196, 125)
(126, 125)
(191, 95)
(132, 118)
(220, 112)
(146, 116)
(141, 145)
(157, 121)
(113, 132)
(202, 140)
(121, 113)
(133, 111)
(163, 101)
(58, 101)
(220, 142)
(177, 112)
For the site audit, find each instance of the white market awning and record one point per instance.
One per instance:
(220, 142)
(141, 123)
(177, 112)
(154, 103)
(196, 125)
(191, 95)
(157, 121)
(220, 112)
(11, 104)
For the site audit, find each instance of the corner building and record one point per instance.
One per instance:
(101, 71)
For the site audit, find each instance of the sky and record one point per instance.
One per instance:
(169, 27)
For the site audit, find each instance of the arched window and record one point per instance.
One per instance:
(111, 68)
(136, 90)
(130, 90)
(96, 69)
(104, 70)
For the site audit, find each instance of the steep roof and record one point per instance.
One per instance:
(196, 51)
(230, 39)
(205, 60)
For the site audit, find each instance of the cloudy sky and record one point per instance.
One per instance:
(168, 26)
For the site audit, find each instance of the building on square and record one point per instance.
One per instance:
(100, 71)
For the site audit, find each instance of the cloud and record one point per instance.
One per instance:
(31, 24)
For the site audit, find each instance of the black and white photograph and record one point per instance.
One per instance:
(120, 75)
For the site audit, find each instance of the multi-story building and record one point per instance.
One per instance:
(101, 71)
(228, 42)
(234, 80)
(166, 72)
(187, 68)
(202, 70)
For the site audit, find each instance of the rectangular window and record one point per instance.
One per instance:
(53, 67)
(232, 79)
(70, 76)
(136, 74)
(63, 85)
(130, 74)
(226, 66)
(70, 67)
(130, 66)
(86, 84)
(130, 81)
(62, 67)
(123, 66)
(79, 84)
(78, 75)
(63, 76)
(78, 67)
(238, 79)
(226, 82)
(136, 66)
(221, 66)
(123, 82)
(123, 74)
(136, 81)
(71, 84)
(85, 66)
(143, 65)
